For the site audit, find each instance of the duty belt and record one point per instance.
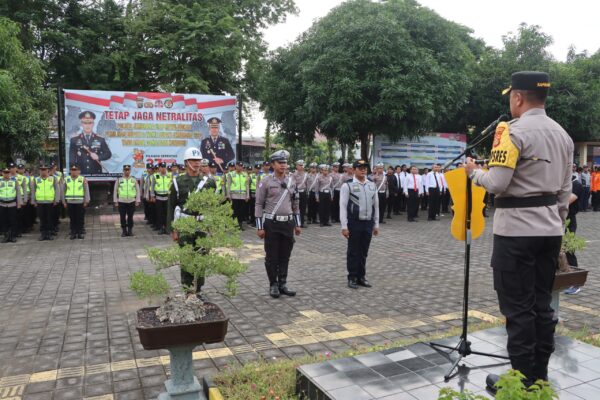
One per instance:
(526, 202)
(301, 190)
(279, 218)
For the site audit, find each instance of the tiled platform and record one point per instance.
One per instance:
(417, 371)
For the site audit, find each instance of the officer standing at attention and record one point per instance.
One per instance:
(126, 194)
(413, 190)
(301, 178)
(10, 202)
(75, 196)
(143, 190)
(530, 174)
(380, 181)
(252, 179)
(215, 147)
(323, 191)
(311, 183)
(238, 191)
(359, 214)
(336, 182)
(45, 195)
(191, 181)
(159, 195)
(277, 219)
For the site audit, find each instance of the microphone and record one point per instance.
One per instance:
(492, 126)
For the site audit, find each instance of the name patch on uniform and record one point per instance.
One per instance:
(504, 152)
(355, 188)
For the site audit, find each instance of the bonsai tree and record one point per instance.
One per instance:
(570, 244)
(216, 236)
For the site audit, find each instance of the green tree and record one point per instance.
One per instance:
(392, 68)
(25, 106)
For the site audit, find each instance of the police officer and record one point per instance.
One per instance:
(311, 181)
(159, 195)
(22, 186)
(10, 202)
(336, 183)
(413, 191)
(238, 191)
(216, 147)
(277, 219)
(45, 195)
(359, 214)
(144, 189)
(530, 174)
(381, 182)
(252, 183)
(75, 196)
(323, 193)
(192, 181)
(87, 150)
(126, 195)
(301, 178)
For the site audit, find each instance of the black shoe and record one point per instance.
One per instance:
(129, 232)
(124, 233)
(352, 284)
(49, 236)
(321, 225)
(80, 236)
(274, 291)
(72, 236)
(303, 226)
(490, 382)
(6, 239)
(42, 237)
(382, 222)
(328, 224)
(389, 217)
(162, 231)
(12, 239)
(284, 290)
(364, 282)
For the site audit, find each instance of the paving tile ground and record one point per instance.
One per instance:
(67, 315)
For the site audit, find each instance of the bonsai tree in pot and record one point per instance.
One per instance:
(570, 244)
(183, 321)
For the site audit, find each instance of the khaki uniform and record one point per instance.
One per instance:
(381, 183)
(324, 195)
(301, 181)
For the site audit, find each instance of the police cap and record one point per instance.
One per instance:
(204, 162)
(280, 156)
(174, 165)
(11, 165)
(5, 170)
(43, 166)
(379, 165)
(214, 120)
(258, 165)
(87, 114)
(266, 163)
(20, 166)
(74, 167)
(149, 165)
(323, 166)
(128, 167)
(336, 164)
(529, 80)
(231, 164)
(300, 162)
(212, 164)
(313, 165)
(162, 164)
(239, 163)
(360, 164)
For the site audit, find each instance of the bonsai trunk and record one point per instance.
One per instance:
(364, 145)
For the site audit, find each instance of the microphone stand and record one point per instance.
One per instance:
(463, 348)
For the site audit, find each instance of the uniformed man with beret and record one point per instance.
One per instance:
(379, 178)
(75, 196)
(277, 219)
(193, 180)
(359, 215)
(530, 174)
(301, 178)
(215, 147)
(10, 202)
(87, 150)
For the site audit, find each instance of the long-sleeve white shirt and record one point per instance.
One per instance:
(432, 177)
(410, 182)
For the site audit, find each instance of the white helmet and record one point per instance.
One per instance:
(192, 153)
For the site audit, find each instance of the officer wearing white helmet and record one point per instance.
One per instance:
(193, 180)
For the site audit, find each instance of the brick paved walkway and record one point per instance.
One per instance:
(67, 314)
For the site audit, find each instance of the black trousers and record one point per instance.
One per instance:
(279, 242)
(146, 209)
(21, 222)
(126, 211)
(359, 241)
(524, 269)
(250, 209)
(401, 201)
(45, 214)
(596, 201)
(76, 217)
(160, 207)
(31, 215)
(382, 205)
(56, 211)
(239, 210)
(313, 207)
(303, 203)
(324, 207)
(391, 203)
(412, 204)
(8, 220)
(397, 200)
(187, 279)
(335, 206)
(445, 200)
(151, 212)
(571, 257)
(424, 201)
(434, 203)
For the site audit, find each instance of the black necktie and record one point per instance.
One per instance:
(437, 185)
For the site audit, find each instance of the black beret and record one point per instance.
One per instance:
(529, 80)
(87, 114)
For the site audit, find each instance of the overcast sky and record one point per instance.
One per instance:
(572, 22)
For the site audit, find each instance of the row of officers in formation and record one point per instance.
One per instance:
(23, 196)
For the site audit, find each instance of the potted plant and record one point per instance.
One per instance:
(568, 275)
(183, 321)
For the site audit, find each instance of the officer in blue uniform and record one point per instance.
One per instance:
(216, 147)
(87, 150)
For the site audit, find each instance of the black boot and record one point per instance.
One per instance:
(11, 238)
(129, 231)
(42, 236)
(274, 291)
(352, 284)
(363, 282)
(72, 235)
(49, 235)
(123, 232)
(6, 236)
(80, 236)
(283, 289)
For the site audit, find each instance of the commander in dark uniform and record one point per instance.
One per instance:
(87, 150)
(530, 174)
(216, 147)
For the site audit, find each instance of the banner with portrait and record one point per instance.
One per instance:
(106, 130)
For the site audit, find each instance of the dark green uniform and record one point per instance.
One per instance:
(182, 186)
